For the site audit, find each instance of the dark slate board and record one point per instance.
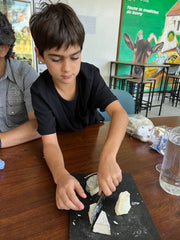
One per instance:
(137, 224)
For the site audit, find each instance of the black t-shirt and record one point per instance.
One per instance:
(54, 113)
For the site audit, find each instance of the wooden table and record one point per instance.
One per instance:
(27, 191)
(141, 79)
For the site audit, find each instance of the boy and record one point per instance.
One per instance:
(66, 97)
(17, 120)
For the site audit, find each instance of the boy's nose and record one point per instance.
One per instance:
(66, 66)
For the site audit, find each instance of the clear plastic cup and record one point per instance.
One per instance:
(169, 178)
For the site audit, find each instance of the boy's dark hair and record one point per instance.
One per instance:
(7, 36)
(55, 25)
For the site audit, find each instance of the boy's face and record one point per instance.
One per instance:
(63, 64)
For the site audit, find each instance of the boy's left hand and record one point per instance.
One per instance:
(109, 175)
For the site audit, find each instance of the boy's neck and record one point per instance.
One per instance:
(66, 91)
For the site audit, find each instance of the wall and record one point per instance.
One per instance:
(100, 46)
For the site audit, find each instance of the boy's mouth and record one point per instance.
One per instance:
(66, 76)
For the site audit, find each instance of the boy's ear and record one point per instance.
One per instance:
(4, 50)
(41, 59)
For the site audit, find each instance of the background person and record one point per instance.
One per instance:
(17, 119)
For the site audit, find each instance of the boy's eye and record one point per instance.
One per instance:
(75, 58)
(56, 60)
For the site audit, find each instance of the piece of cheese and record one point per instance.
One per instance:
(91, 208)
(92, 185)
(101, 225)
(123, 203)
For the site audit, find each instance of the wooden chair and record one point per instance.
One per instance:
(135, 83)
(171, 74)
(136, 88)
(175, 89)
(119, 81)
(178, 95)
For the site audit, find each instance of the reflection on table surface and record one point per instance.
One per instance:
(27, 196)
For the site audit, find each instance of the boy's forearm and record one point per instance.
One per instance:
(116, 134)
(21, 134)
(54, 160)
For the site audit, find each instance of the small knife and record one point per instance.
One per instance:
(97, 210)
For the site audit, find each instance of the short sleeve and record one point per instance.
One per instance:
(46, 119)
(102, 95)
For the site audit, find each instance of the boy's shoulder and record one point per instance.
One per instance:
(88, 70)
(42, 80)
(88, 67)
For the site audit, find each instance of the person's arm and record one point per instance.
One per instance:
(109, 172)
(21, 134)
(66, 184)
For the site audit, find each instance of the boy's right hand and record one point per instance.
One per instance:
(66, 189)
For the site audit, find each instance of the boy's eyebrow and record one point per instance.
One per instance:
(58, 55)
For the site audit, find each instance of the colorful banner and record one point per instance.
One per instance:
(18, 14)
(150, 33)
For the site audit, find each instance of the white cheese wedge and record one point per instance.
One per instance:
(92, 185)
(123, 203)
(101, 225)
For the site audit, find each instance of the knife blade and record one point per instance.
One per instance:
(97, 210)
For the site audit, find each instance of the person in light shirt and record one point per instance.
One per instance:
(17, 120)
